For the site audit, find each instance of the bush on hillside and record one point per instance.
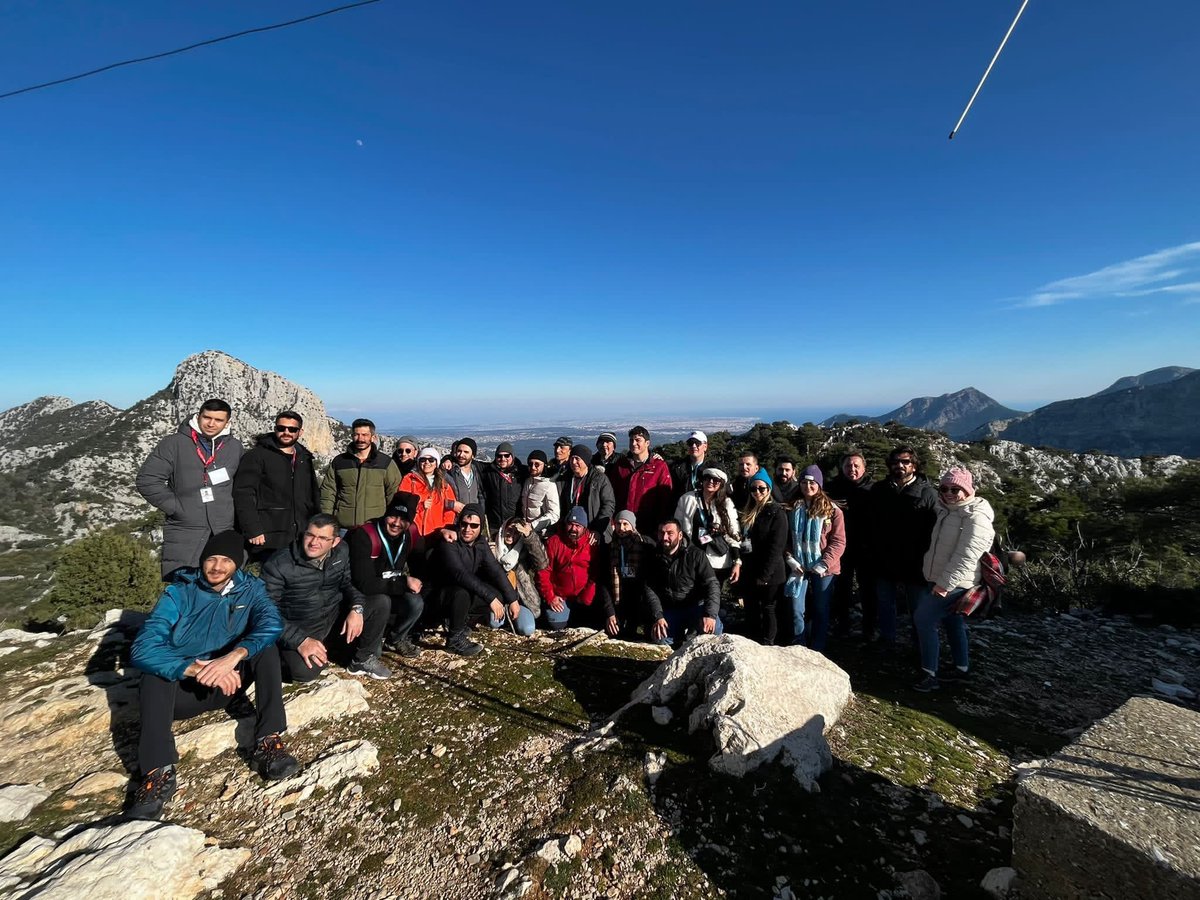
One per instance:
(105, 570)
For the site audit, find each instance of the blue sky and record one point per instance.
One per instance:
(438, 211)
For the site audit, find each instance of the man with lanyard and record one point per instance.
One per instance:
(379, 552)
(591, 490)
(189, 476)
(627, 554)
(685, 474)
(502, 481)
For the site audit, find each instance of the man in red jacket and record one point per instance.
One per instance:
(573, 584)
(642, 483)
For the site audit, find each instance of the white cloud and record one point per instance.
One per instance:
(1156, 273)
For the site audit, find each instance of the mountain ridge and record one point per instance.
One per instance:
(956, 413)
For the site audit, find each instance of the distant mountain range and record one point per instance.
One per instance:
(956, 414)
(1146, 379)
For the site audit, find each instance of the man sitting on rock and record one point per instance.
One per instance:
(211, 633)
(310, 581)
(573, 584)
(681, 590)
(379, 552)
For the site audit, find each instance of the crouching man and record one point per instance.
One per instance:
(311, 584)
(681, 590)
(379, 552)
(573, 585)
(210, 635)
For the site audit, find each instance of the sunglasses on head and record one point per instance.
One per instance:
(290, 429)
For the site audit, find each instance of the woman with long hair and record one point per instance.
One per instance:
(428, 482)
(764, 542)
(710, 521)
(818, 535)
(952, 566)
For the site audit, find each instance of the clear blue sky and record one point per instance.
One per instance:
(573, 208)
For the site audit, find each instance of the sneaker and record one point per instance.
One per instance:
(153, 793)
(954, 675)
(272, 760)
(459, 642)
(927, 684)
(401, 647)
(371, 666)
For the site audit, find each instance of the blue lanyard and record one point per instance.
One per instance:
(392, 557)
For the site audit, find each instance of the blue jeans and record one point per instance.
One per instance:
(886, 593)
(816, 600)
(524, 623)
(681, 620)
(928, 611)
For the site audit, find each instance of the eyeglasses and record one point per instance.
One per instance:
(904, 461)
(290, 429)
(318, 538)
(952, 489)
(471, 524)
(761, 489)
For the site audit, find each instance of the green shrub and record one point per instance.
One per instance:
(105, 570)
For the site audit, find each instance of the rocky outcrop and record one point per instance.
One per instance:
(762, 704)
(46, 425)
(1146, 379)
(342, 762)
(18, 800)
(127, 861)
(956, 414)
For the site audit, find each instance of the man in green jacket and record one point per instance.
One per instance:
(360, 482)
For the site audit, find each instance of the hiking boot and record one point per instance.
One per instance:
(927, 684)
(460, 642)
(401, 646)
(157, 787)
(372, 666)
(954, 675)
(272, 760)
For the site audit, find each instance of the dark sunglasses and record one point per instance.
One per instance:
(503, 456)
(761, 490)
(290, 429)
(691, 443)
(428, 459)
(408, 450)
(904, 461)
(471, 524)
(713, 478)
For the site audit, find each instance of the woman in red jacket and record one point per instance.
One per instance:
(428, 482)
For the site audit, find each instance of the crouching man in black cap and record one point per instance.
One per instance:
(379, 551)
(210, 635)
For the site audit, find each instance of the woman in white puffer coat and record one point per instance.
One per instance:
(539, 496)
(962, 534)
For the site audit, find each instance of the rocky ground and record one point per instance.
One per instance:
(459, 777)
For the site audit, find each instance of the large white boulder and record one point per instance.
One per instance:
(762, 704)
(130, 860)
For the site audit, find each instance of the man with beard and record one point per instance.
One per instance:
(591, 490)
(359, 482)
(681, 591)
(466, 477)
(572, 585)
(275, 490)
(379, 552)
(405, 454)
(785, 480)
(851, 490)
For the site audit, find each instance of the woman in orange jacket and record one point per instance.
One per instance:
(428, 482)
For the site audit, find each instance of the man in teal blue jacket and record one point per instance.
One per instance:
(211, 633)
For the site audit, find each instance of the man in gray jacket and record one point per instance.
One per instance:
(189, 476)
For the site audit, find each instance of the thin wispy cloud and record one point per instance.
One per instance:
(1173, 272)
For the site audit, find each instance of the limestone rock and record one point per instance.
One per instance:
(131, 860)
(920, 885)
(762, 704)
(998, 883)
(332, 698)
(17, 636)
(18, 800)
(349, 759)
(97, 783)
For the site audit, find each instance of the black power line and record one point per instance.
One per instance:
(216, 40)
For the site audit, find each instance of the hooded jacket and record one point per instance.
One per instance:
(310, 599)
(275, 493)
(172, 478)
(644, 489)
(502, 487)
(190, 621)
(595, 495)
(962, 534)
(356, 490)
(432, 513)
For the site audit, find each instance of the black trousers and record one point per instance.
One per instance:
(762, 604)
(856, 567)
(460, 606)
(376, 610)
(163, 702)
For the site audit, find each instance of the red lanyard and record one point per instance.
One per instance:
(205, 462)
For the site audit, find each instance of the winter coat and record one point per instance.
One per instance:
(739, 490)
(275, 493)
(355, 490)
(901, 519)
(596, 498)
(503, 491)
(854, 497)
(832, 543)
(432, 513)
(962, 534)
(474, 567)
(644, 490)
(683, 579)
(171, 479)
(539, 503)
(686, 477)
(310, 599)
(605, 463)
(190, 622)
(571, 572)
(769, 535)
(691, 512)
(521, 562)
(369, 559)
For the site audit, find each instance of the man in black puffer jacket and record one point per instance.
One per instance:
(275, 490)
(503, 479)
(851, 490)
(310, 582)
(681, 591)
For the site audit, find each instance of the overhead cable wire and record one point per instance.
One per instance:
(209, 42)
(987, 71)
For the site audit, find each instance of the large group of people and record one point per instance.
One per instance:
(364, 559)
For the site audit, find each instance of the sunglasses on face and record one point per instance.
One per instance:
(470, 524)
(407, 451)
(907, 461)
(503, 456)
(290, 429)
(693, 443)
(427, 459)
(762, 490)
(711, 479)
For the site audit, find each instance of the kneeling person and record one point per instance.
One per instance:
(573, 584)
(379, 551)
(210, 635)
(681, 590)
(311, 584)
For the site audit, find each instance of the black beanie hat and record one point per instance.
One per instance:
(537, 454)
(404, 504)
(471, 445)
(227, 543)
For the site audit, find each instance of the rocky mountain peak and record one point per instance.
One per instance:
(255, 395)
